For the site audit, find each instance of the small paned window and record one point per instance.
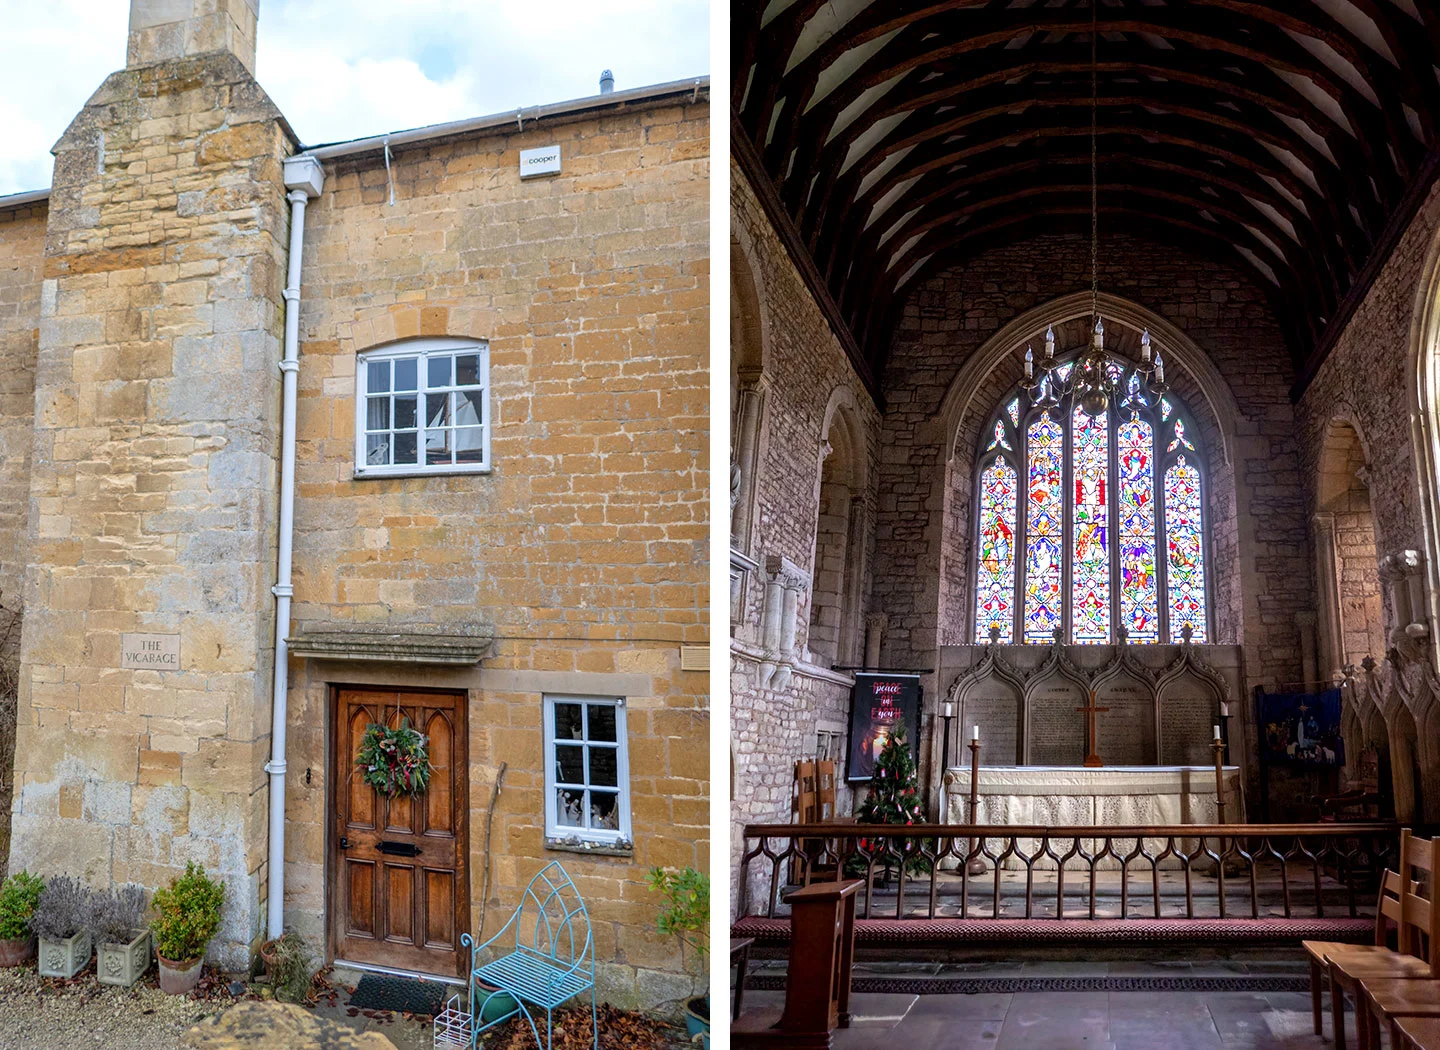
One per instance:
(587, 782)
(423, 407)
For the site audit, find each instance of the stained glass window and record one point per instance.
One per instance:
(1184, 536)
(1109, 531)
(1139, 590)
(1090, 537)
(995, 594)
(1043, 517)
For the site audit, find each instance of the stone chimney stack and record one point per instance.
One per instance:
(163, 30)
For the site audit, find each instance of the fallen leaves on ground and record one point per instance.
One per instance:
(619, 1030)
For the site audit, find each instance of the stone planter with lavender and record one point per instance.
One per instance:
(122, 942)
(62, 921)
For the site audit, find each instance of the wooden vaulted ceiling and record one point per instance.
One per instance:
(1291, 138)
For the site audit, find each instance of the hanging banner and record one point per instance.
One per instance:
(879, 703)
(1301, 729)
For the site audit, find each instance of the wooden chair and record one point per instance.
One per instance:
(812, 801)
(1345, 965)
(1381, 1000)
(1415, 1033)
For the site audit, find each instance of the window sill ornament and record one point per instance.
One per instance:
(395, 761)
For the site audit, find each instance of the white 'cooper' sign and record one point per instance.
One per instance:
(542, 161)
(150, 652)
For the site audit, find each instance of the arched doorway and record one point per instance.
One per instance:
(1346, 557)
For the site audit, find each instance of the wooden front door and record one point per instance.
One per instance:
(399, 881)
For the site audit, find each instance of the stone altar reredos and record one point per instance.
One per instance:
(1112, 797)
(1162, 701)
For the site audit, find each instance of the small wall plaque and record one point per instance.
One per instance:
(150, 652)
(542, 161)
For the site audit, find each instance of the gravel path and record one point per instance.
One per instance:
(86, 1014)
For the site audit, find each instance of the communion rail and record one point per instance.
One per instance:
(998, 884)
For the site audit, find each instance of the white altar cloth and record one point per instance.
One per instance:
(1110, 797)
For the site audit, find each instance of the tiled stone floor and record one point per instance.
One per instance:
(1080, 1020)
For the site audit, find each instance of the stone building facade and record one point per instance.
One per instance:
(558, 565)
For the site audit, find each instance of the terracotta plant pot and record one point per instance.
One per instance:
(179, 978)
(17, 951)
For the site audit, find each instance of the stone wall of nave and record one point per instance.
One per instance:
(779, 700)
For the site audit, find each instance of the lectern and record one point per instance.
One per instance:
(817, 986)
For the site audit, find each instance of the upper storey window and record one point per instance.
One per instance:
(423, 407)
(1087, 524)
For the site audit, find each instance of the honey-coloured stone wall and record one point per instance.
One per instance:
(585, 549)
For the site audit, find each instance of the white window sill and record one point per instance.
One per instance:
(575, 844)
(418, 472)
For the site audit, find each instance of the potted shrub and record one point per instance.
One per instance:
(62, 921)
(122, 941)
(686, 916)
(18, 897)
(187, 915)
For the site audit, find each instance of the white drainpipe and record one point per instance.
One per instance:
(303, 179)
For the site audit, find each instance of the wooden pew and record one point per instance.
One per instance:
(1345, 965)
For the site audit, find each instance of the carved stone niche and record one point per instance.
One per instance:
(785, 587)
(1402, 573)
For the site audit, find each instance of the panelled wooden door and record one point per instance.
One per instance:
(399, 884)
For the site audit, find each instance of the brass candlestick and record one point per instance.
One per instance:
(1218, 746)
(976, 865)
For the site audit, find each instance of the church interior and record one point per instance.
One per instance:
(1085, 521)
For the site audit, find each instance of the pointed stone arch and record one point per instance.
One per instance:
(980, 383)
(841, 534)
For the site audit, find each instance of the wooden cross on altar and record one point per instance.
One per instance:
(1092, 760)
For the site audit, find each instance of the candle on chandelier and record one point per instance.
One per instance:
(1159, 369)
(1049, 342)
(1029, 363)
(1145, 346)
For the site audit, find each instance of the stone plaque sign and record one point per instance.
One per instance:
(1056, 730)
(150, 652)
(1125, 734)
(1187, 720)
(996, 710)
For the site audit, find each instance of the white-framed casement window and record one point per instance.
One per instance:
(587, 771)
(423, 407)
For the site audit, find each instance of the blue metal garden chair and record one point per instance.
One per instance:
(553, 958)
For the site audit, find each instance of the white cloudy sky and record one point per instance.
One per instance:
(341, 69)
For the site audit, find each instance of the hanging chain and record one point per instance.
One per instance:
(1094, 166)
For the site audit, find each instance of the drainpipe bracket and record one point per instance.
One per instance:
(283, 590)
(287, 364)
(291, 295)
(275, 767)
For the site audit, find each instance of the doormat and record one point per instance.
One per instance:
(1258, 982)
(379, 991)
